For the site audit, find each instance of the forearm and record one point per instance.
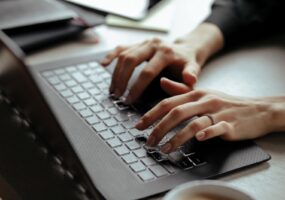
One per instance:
(206, 39)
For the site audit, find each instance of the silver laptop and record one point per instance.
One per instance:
(68, 105)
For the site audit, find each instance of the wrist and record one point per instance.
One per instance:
(277, 110)
(206, 40)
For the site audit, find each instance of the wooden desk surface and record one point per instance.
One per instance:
(254, 71)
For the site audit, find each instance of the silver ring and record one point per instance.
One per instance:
(211, 119)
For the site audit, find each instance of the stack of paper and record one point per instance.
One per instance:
(159, 19)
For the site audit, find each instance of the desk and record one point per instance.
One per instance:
(253, 71)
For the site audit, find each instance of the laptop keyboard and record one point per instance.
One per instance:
(85, 88)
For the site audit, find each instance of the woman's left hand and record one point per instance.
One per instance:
(231, 118)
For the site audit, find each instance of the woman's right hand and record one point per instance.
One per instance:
(183, 58)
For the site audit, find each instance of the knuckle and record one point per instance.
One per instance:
(176, 112)
(130, 58)
(195, 126)
(147, 73)
(214, 101)
(119, 48)
(164, 104)
(166, 49)
(156, 40)
(197, 93)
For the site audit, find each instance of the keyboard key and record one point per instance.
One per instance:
(93, 64)
(60, 87)
(59, 71)
(102, 86)
(95, 79)
(79, 106)
(96, 108)
(196, 159)
(90, 102)
(79, 77)
(135, 132)
(77, 89)
(121, 117)
(113, 110)
(114, 142)
(146, 175)
(71, 69)
(122, 150)
(129, 124)
(103, 115)
(94, 91)
(92, 120)
(66, 93)
(170, 168)
(140, 153)
(133, 145)
(83, 95)
(137, 167)
(106, 134)
(73, 100)
(125, 137)
(185, 163)
(110, 122)
(70, 83)
(99, 127)
(107, 103)
(130, 158)
(53, 80)
(82, 66)
(86, 113)
(149, 161)
(158, 170)
(64, 77)
(87, 85)
(47, 73)
(118, 129)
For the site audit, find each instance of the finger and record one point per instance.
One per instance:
(175, 117)
(173, 87)
(190, 74)
(112, 55)
(133, 58)
(186, 134)
(163, 107)
(151, 70)
(216, 130)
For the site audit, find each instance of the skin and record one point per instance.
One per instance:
(235, 118)
(213, 114)
(184, 58)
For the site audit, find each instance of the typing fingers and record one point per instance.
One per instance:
(163, 107)
(127, 62)
(112, 55)
(175, 117)
(186, 133)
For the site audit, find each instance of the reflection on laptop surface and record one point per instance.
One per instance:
(70, 107)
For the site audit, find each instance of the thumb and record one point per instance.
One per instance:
(173, 88)
(190, 74)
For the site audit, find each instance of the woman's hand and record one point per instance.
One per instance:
(184, 58)
(231, 118)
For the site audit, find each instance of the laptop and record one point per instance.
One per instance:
(68, 105)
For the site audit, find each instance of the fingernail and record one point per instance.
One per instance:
(166, 148)
(139, 124)
(151, 141)
(104, 62)
(200, 135)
